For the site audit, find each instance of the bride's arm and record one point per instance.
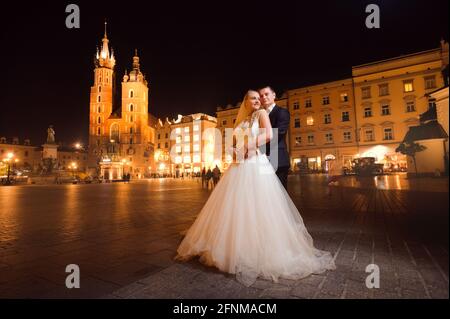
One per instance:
(266, 133)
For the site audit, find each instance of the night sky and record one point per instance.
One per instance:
(196, 55)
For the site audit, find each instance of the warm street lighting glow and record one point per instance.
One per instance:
(77, 146)
(9, 155)
(378, 151)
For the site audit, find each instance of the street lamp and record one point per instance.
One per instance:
(8, 159)
(73, 166)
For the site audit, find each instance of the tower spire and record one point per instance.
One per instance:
(136, 61)
(105, 56)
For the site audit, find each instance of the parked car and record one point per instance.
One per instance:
(366, 166)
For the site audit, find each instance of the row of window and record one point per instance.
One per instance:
(408, 86)
(383, 90)
(343, 97)
(386, 109)
(186, 129)
(369, 135)
(165, 136)
(347, 136)
(100, 120)
(187, 159)
(187, 138)
(131, 108)
(100, 78)
(345, 117)
(166, 145)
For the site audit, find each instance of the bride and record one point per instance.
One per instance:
(249, 226)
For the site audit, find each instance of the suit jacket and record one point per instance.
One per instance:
(279, 118)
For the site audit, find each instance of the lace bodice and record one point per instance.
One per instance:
(252, 122)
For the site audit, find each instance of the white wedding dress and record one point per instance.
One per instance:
(250, 227)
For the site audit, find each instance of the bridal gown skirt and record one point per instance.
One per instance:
(250, 227)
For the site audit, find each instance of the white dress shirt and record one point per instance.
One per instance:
(270, 108)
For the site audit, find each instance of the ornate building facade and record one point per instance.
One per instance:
(121, 138)
(187, 144)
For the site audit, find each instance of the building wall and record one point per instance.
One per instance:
(442, 106)
(30, 156)
(79, 158)
(226, 119)
(429, 161)
(322, 124)
(389, 96)
(27, 155)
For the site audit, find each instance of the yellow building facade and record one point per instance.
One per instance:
(323, 125)
(389, 97)
(121, 138)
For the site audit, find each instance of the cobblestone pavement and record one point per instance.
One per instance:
(124, 238)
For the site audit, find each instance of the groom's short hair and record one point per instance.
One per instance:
(266, 87)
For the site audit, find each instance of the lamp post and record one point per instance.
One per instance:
(73, 166)
(124, 164)
(8, 160)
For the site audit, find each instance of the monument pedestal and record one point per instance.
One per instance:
(50, 151)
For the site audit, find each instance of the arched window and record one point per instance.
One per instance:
(131, 94)
(99, 120)
(131, 130)
(99, 98)
(99, 131)
(114, 135)
(99, 88)
(99, 109)
(131, 118)
(131, 108)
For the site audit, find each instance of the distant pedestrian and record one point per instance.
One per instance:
(209, 175)
(216, 175)
(334, 174)
(203, 176)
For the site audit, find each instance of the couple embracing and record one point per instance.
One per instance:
(249, 225)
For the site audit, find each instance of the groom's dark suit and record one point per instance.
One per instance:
(279, 118)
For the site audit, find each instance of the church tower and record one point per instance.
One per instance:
(137, 134)
(101, 102)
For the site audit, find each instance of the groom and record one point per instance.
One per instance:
(279, 118)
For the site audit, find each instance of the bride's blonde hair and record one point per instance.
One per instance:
(243, 113)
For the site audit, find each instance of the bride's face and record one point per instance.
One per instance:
(253, 102)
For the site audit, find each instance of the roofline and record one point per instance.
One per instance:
(396, 58)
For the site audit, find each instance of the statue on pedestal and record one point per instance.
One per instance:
(50, 135)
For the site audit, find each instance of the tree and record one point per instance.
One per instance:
(411, 149)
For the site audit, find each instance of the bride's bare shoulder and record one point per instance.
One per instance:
(260, 112)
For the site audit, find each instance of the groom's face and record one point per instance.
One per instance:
(267, 97)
